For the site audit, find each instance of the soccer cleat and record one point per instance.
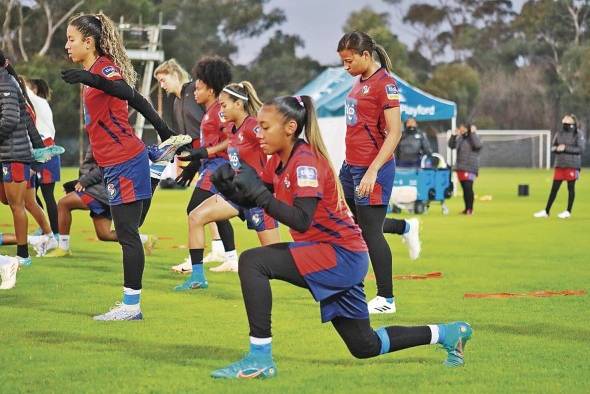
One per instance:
(120, 312)
(541, 214)
(58, 252)
(183, 268)
(157, 169)
(167, 149)
(191, 284)
(150, 244)
(226, 266)
(24, 261)
(43, 155)
(214, 257)
(8, 271)
(44, 244)
(412, 238)
(381, 305)
(564, 215)
(456, 336)
(250, 367)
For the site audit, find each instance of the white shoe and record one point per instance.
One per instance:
(226, 266)
(121, 312)
(381, 305)
(541, 214)
(8, 269)
(214, 257)
(44, 244)
(185, 267)
(412, 238)
(564, 215)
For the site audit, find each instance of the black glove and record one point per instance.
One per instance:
(194, 154)
(250, 187)
(69, 186)
(76, 75)
(223, 178)
(188, 173)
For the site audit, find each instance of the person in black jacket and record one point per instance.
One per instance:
(468, 146)
(412, 146)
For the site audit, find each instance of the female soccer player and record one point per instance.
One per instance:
(212, 75)
(568, 146)
(328, 257)
(239, 104)
(373, 130)
(93, 42)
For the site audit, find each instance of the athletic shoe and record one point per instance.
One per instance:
(214, 257)
(58, 252)
(191, 284)
(120, 312)
(564, 215)
(456, 336)
(226, 266)
(167, 149)
(541, 214)
(381, 305)
(24, 261)
(8, 272)
(250, 367)
(412, 238)
(44, 245)
(43, 155)
(150, 244)
(183, 268)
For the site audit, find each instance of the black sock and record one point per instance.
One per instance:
(196, 256)
(394, 226)
(406, 337)
(22, 251)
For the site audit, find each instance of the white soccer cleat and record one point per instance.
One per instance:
(541, 214)
(381, 305)
(121, 312)
(412, 238)
(214, 257)
(227, 266)
(8, 269)
(564, 215)
(185, 267)
(44, 244)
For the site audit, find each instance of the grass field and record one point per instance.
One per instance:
(49, 342)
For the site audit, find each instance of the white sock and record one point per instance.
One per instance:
(232, 255)
(217, 246)
(260, 341)
(64, 242)
(434, 333)
(143, 238)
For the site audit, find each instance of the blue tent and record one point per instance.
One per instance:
(329, 90)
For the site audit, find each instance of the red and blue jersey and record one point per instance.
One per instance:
(106, 118)
(213, 130)
(309, 175)
(365, 120)
(244, 144)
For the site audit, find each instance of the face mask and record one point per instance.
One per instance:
(411, 129)
(569, 127)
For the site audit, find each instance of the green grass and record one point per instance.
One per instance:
(49, 342)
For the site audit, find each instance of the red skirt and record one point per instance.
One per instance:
(566, 174)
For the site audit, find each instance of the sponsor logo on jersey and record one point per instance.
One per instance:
(392, 92)
(365, 89)
(307, 176)
(234, 158)
(110, 72)
(350, 111)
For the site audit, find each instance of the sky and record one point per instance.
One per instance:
(319, 23)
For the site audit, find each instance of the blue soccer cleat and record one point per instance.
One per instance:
(192, 284)
(167, 149)
(43, 155)
(250, 367)
(24, 261)
(456, 336)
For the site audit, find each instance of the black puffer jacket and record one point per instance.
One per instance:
(90, 176)
(574, 143)
(468, 147)
(412, 146)
(18, 134)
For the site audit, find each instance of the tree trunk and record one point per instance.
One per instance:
(7, 32)
(51, 26)
(21, 23)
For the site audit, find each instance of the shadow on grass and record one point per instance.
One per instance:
(552, 331)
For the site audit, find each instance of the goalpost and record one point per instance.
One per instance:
(512, 148)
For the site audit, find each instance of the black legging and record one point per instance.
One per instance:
(571, 196)
(50, 204)
(259, 265)
(468, 195)
(226, 231)
(127, 219)
(370, 219)
(394, 226)
(148, 203)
